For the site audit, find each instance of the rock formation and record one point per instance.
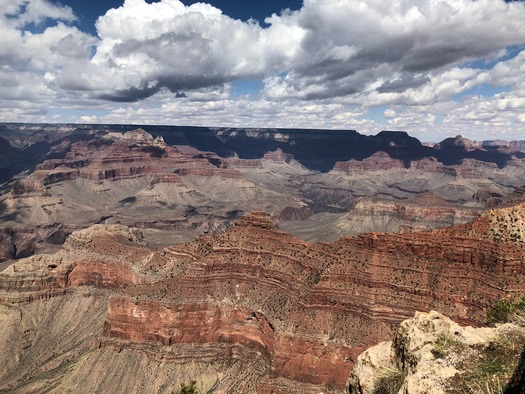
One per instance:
(251, 309)
(430, 353)
(181, 182)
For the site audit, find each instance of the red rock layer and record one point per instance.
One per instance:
(308, 309)
(170, 323)
(382, 161)
(378, 161)
(133, 154)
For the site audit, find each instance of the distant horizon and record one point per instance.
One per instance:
(259, 128)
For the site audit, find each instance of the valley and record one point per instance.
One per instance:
(137, 259)
(92, 175)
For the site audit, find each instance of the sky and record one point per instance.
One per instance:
(434, 68)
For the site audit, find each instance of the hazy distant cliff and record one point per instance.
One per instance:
(316, 149)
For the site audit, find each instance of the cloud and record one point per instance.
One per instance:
(329, 48)
(323, 65)
(31, 62)
(19, 13)
(166, 45)
(390, 47)
(237, 113)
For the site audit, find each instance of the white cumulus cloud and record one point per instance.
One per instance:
(323, 65)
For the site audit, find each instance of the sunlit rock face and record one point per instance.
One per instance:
(179, 182)
(292, 315)
(431, 353)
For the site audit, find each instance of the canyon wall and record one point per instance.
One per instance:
(295, 315)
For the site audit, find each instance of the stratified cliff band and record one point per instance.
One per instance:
(251, 309)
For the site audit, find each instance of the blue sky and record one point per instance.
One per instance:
(435, 68)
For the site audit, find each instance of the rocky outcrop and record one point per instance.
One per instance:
(17, 243)
(492, 199)
(517, 145)
(99, 256)
(379, 161)
(488, 198)
(457, 149)
(278, 156)
(117, 156)
(425, 211)
(28, 188)
(430, 353)
(292, 213)
(431, 164)
(471, 168)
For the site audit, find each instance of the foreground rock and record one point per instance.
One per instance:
(432, 354)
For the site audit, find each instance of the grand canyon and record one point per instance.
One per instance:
(137, 259)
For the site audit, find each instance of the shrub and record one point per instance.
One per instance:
(189, 388)
(488, 371)
(390, 381)
(445, 341)
(505, 310)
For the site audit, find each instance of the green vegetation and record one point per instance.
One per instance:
(390, 381)
(485, 387)
(189, 388)
(505, 310)
(445, 342)
(492, 368)
(486, 376)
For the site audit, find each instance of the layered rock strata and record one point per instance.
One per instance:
(116, 156)
(99, 176)
(295, 315)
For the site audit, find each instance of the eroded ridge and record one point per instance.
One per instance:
(293, 314)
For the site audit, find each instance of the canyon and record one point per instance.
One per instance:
(292, 316)
(136, 260)
(177, 183)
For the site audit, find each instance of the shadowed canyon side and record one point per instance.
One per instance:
(95, 175)
(250, 309)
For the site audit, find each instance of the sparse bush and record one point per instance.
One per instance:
(486, 377)
(512, 340)
(488, 372)
(491, 366)
(493, 386)
(314, 277)
(189, 388)
(505, 310)
(390, 381)
(445, 342)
